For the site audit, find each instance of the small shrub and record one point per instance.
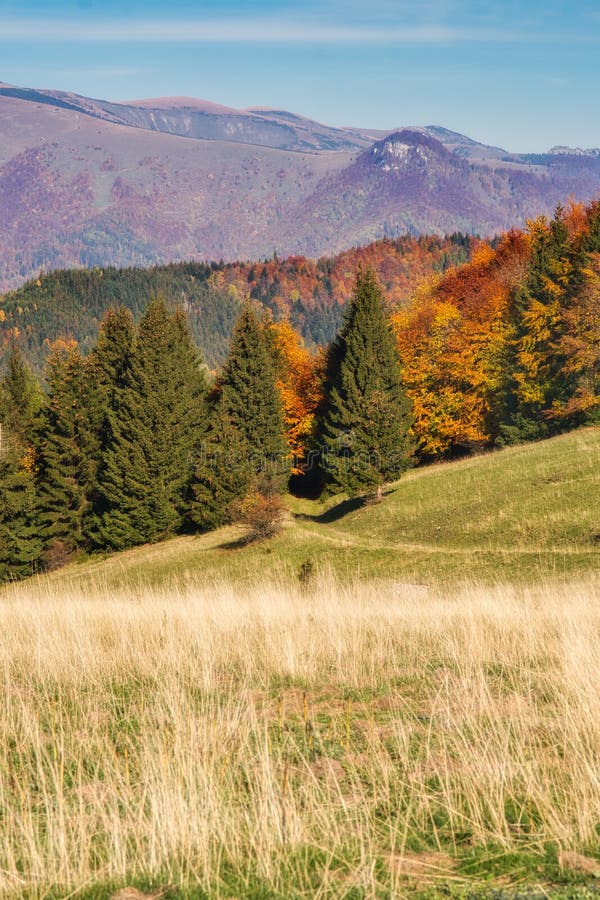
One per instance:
(263, 514)
(57, 554)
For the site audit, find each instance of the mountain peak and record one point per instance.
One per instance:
(561, 150)
(408, 149)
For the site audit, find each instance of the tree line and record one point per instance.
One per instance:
(132, 443)
(310, 294)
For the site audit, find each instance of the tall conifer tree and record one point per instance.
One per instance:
(223, 473)
(20, 400)
(533, 367)
(365, 428)
(20, 542)
(251, 402)
(20, 396)
(112, 354)
(109, 362)
(67, 451)
(154, 429)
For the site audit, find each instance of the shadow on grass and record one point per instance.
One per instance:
(336, 512)
(346, 506)
(252, 538)
(238, 544)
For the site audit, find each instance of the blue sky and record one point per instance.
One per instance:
(522, 75)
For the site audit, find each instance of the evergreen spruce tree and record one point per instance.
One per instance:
(20, 400)
(20, 396)
(580, 372)
(67, 452)
(144, 481)
(244, 450)
(192, 372)
(20, 541)
(223, 474)
(365, 428)
(109, 363)
(251, 402)
(112, 354)
(534, 379)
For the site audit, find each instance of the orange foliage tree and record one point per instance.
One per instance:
(400, 264)
(452, 341)
(300, 383)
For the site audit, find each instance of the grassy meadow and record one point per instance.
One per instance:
(517, 515)
(383, 701)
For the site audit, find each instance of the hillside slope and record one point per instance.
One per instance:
(517, 515)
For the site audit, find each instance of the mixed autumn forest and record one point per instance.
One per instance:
(446, 346)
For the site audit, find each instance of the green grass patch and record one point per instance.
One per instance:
(515, 515)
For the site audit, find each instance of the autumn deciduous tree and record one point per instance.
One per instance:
(453, 343)
(504, 348)
(300, 384)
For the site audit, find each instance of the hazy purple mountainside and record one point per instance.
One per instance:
(88, 182)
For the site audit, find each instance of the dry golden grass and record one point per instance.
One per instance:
(307, 741)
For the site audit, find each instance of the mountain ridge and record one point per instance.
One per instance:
(87, 182)
(116, 108)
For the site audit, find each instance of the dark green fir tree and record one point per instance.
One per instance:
(109, 363)
(223, 473)
(67, 453)
(533, 366)
(20, 541)
(155, 427)
(365, 430)
(112, 354)
(193, 409)
(20, 396)
(20, 399)
(251, 403)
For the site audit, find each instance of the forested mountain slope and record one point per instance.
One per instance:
(69, 305)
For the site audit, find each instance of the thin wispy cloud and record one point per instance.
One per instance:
(521, 75)
(241, 31)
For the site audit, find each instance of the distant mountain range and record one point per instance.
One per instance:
(88, 182)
